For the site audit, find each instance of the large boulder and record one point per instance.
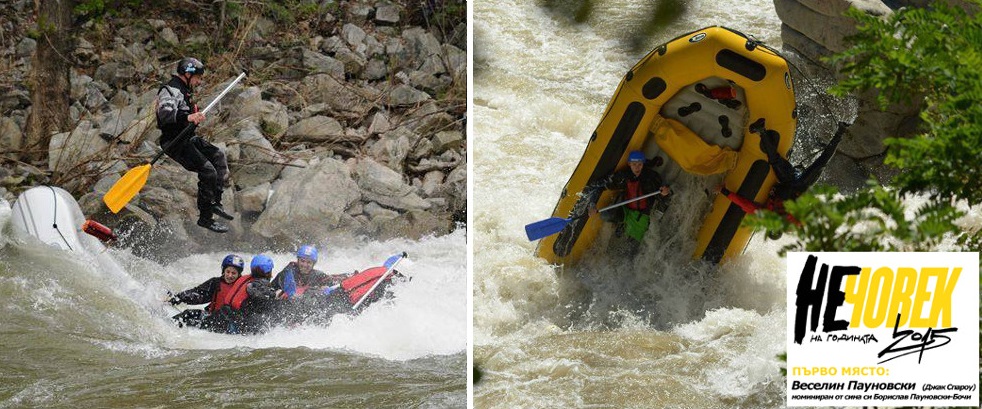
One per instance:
(68, 152)
(258, 162)
(386, 187)
(309, 204)
(316, 129)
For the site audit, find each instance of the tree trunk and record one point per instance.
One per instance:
(49, 78)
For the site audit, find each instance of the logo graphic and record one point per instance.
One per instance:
(893, 329)
(697, 38)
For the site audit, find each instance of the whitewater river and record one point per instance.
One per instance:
(77, 335)
(655, 331)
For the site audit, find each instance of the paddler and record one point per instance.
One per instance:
(636, 181)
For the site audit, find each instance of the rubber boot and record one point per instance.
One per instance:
(218, 210)
(212, 225)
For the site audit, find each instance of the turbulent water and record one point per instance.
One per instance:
(655, 331)
(74, 334)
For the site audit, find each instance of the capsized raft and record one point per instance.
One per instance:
(699, 101)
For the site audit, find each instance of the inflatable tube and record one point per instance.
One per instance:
(52, 216)
(700, 102)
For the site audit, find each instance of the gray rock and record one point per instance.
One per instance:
(445, 140)
(432, 181)
(144, 128)
(421, 43)
(327, 89)
(386, 186)
(26, 47)
(380, 123)
(245, 105)
(413, 224)
(353, 34)
(387, 13)
(316, 129)
(358, 13)
(835, 8)
(430, 83)
(94, 100)
(309, 204)
(375, 70)
(373, 48)
(156, 24)
(169, 36)
(830, 31)
(118, 120)
(392, 148)
(354, 63)
(85, 51)
(376, 212)
(11, 137)
(68, 150)
(332, 45)
(423, 149)
(258, 163)
(404, 95)
(318, 63)
(253, 199)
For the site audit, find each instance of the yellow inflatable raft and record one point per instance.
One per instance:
(700, 102)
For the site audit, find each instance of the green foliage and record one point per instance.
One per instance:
(931, 57)
(99, 9)
(874, 219)
(290, 11)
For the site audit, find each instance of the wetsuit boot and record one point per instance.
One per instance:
(218, 210)
(205, 220)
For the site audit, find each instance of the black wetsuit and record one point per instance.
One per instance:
(792, 183)
(174, 104)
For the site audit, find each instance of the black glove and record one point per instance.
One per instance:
(173, 300)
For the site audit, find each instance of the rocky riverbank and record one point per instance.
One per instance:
(351, 121)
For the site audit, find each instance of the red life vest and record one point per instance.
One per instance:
(218, 300)
(357, 285)
(238, 293)
(633, 191)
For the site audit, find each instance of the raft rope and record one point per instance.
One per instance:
(54, 223)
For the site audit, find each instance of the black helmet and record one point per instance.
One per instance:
(191, 66)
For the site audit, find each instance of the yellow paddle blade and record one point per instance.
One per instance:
(126, 187)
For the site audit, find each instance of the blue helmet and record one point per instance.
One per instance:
(307, 251)
(636, 156)
(261, 266)
(234, 261)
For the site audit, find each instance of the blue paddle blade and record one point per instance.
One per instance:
(289, 284)
(546, 228)
(392, 260)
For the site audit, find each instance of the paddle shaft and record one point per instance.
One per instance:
(379, 281)
(628, 201)
(616, 205)
(192, 126)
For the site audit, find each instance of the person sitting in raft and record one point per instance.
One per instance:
(250, 307)
(791, 181)
(299, 276)
(638, 180)
(214, 292)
